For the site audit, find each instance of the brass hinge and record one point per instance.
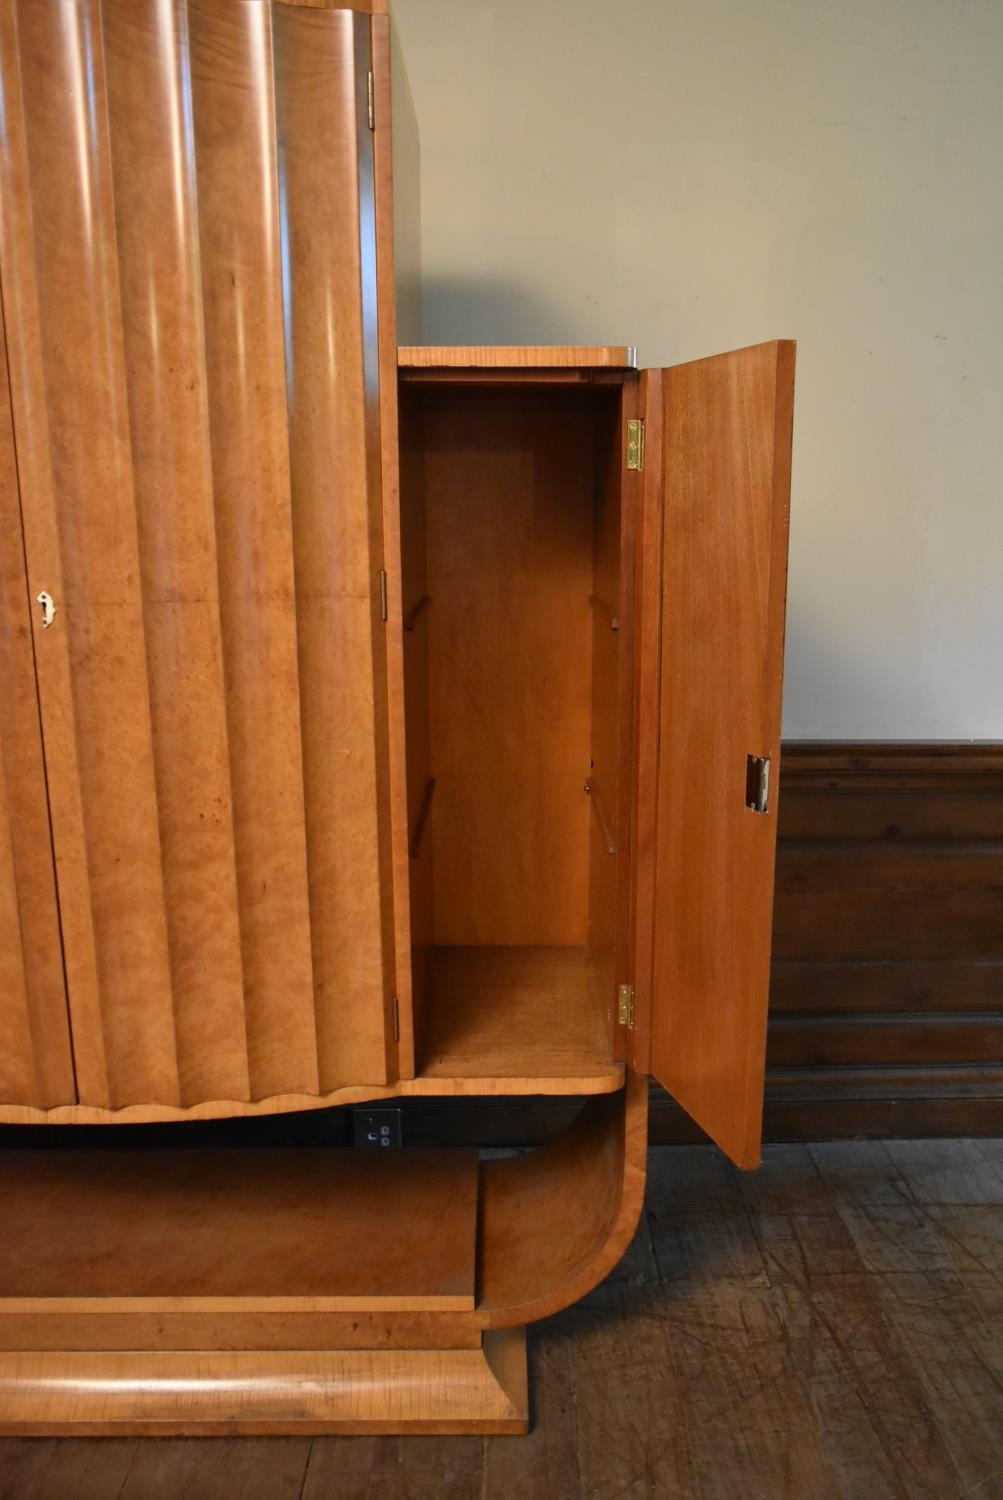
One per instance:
(383, 594)
(371, 99)
(625, 1006)
(635, 443)
(757, 783)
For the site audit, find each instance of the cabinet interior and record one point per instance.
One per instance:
(511, 528)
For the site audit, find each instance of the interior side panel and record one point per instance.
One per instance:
(416, 613)
(605, 773)
(509, 489)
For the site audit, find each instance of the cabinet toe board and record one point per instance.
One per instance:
(201, 1230)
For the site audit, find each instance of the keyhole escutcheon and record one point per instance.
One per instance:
(48, 609)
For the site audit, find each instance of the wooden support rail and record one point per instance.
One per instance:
(605, 609)
(600, 812)
(423, 812)
(416, 610)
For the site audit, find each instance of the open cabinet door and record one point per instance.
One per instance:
(713, 586)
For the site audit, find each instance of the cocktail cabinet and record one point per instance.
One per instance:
(376, 720)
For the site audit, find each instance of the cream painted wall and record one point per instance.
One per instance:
(695, 175)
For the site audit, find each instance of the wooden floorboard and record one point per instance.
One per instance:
(829, 1328)
(216, 1469)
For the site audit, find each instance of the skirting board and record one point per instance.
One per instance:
(211, 1394)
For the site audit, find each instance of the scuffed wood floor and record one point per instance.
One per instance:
(829, 1327)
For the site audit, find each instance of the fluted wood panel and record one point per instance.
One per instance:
(334, 452)
(197, 431)
(35, 1062)
(160, 291)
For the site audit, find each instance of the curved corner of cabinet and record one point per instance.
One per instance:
(555, 1222)
(428, 1348)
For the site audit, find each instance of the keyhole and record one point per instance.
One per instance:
(48, 609)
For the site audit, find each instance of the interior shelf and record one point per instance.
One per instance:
(512, 1019)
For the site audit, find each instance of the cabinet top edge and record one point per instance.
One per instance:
(517, 356)
(364, 7)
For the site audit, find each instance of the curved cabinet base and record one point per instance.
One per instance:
(184, 1393)
(387, 1291)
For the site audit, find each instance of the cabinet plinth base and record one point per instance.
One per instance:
(181, 1393)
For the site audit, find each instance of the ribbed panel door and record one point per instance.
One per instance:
(187, 256)
(36, 1067)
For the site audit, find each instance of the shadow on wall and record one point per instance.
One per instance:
(489, 310)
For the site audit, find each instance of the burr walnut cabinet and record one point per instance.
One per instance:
(374, 722)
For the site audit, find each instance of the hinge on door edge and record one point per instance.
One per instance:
(625, 1006)
(371, 99)
(635, 443)
(383, 594)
